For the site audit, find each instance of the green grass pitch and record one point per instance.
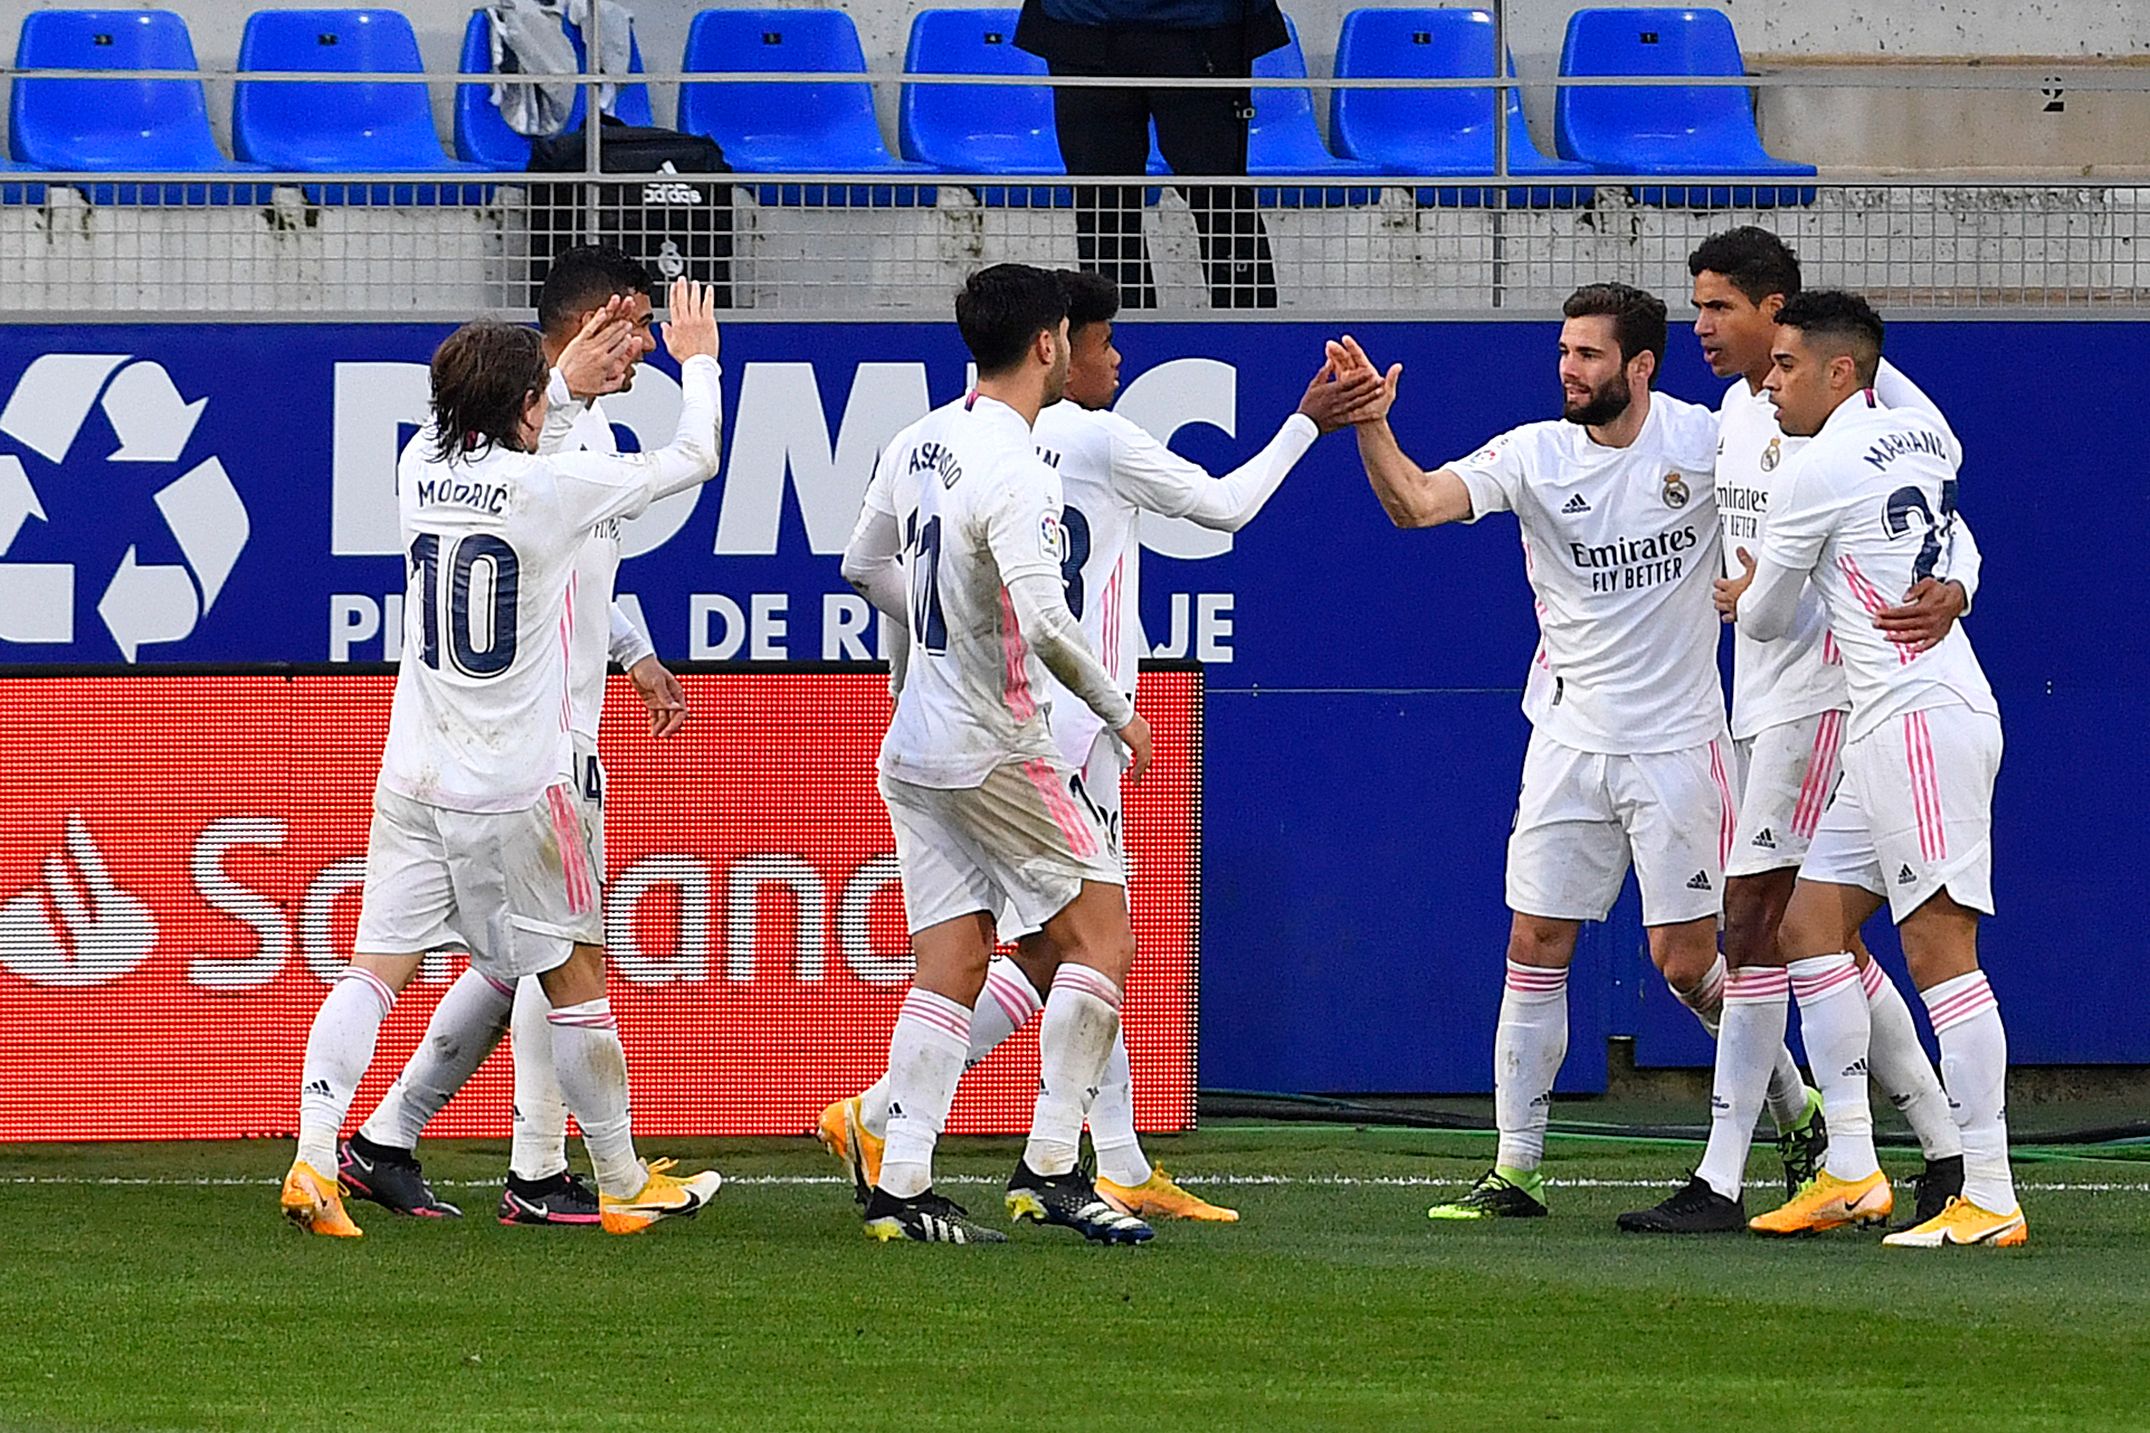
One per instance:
(175, 1299)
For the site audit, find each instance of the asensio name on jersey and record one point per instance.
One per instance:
(977, 509)
(481, 716)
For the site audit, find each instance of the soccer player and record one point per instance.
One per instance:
(987, 815)
(1629, 759)
(1789, 705)
(477, 840)
(1868, 509)
(1111, 471)
(379, 1161)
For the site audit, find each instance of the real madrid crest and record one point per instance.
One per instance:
(1675, 492)
(1771, 455)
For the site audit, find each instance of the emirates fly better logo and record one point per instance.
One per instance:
(139, 602)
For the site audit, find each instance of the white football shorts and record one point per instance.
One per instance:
(1019, 846)
(1584, 816)
(589, 783)
(1100, 778)
(1790, 769)
(1914, 813)
(517, 889)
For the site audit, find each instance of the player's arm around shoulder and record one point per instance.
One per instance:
(1411, 496)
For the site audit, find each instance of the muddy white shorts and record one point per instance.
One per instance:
(1018, 845)
(1790, 771)
(517, 889)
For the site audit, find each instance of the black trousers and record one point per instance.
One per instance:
(1106, 130)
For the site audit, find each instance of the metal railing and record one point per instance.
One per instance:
(270, 245)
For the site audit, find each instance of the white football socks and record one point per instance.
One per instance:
(592, 1069)
(925, 1059)
(339, 1047)
(1528, 1046)
(1832, 1014)
(1757, 1003)
(466, 1025)
(1112, 1121)
(1082, 1019)
(1902, 1070)
(1004, 1007)
(1974, 1067)
(539, 1150)
(1786, 1095)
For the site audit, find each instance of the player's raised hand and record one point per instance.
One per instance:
(1351, 361)
(660, 692)
(1923, 618)
(596, 359)
(692, 328)
(1137, 736)
(1334, 395)
(1726, 591)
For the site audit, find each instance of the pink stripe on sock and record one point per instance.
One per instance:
(1089, 982)
(501, 986)
(374, 983)
(939, 1013)
(1962, 1005)
(1760, 985)
(1015, 1003)
(1535, 980)
(1872, 977)
(1813, 987)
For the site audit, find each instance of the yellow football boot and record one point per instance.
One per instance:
(663, 1196)
(1826, 1202)
(843, 1133)
(314, 1202)
(1963, 1222)
(1159, 1198)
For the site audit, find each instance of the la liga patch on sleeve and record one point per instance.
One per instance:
(1050, 543)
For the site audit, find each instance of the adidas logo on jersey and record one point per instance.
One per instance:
(1765, 839)
(1699, 881)
(1575, 504)
(1905, 877)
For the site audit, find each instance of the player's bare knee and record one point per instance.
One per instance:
(1940, 941)
(1684, 953)
(1541, 941)
(1037, 957)
(1751, 918)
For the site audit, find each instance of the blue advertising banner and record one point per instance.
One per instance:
(224, 493)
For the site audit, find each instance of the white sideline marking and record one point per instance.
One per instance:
(1285, 1181)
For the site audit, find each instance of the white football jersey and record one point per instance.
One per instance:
(597, 568)
(1621, 547)
(977, 509)
(1112, 471)
(481, 714)
(1788, 680)
(1868, 507)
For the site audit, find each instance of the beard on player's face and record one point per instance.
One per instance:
(1601, 405)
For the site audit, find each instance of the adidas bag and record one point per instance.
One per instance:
(678, 226)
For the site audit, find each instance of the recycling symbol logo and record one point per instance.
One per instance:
(139, 602)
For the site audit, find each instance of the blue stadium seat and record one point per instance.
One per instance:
(483, 137)
(776, 128)
(352, 127)
(118, 124)
(966, 129)
(1670, 129)
(1435, 131)
(1284, 139)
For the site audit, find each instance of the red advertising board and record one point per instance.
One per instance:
(180, 865)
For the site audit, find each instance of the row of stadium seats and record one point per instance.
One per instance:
(163, 125)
